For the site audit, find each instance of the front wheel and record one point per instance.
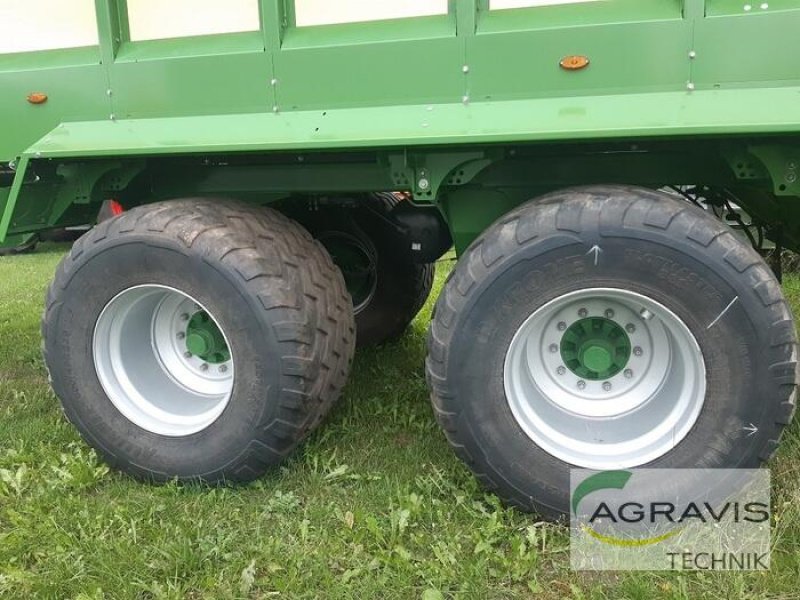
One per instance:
(609, 328)
(197, 339)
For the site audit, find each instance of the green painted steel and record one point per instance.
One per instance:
(460, 109)
(205, 340)
(595, 348)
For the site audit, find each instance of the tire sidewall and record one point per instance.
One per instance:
(690, 283)
(139, 260)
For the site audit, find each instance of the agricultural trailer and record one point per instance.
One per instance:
(282, 184)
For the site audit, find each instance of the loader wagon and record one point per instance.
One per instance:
(278, 178)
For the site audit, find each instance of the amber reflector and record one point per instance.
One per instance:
(37, 98)
(574, 63)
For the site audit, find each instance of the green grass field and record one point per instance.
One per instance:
(373, 506)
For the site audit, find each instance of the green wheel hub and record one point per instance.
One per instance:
(595, 348)
(205, 340)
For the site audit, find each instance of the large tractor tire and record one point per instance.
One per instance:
(388, 288)
(609, 328)
(197, 339)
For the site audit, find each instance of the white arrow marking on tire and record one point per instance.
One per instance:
(596, 250)
(751, 429)
(722, 314)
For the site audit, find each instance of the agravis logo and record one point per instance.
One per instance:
(639, 515)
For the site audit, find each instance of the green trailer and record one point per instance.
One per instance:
(278, 185)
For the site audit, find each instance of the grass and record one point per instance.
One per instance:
(374, 506)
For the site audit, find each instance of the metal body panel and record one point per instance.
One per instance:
(436, 99)
(671, 114)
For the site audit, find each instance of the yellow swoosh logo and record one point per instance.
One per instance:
(607, 539)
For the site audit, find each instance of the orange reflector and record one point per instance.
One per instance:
(37, 98)
(574, 63)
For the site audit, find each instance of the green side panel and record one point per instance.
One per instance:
(632, 46)
(192, 76)
(74, 82)
(746, 48)
(370, 64)
(746, 111)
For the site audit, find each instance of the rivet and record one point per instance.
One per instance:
(630, 327)
(791, 177)
(275, 108)
(273, 82)
(553, 348)
(690, 86)
(109, 92)
(561, 326)
(424, 184)
(764, 6)
(637, 351)
(583, 312)
(607, 386)
(747, 8)
(581, 384)
(692, 54)
(465, 69)
(645, 314)
(465, 100)
(609, 314)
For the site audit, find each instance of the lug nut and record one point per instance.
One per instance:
(562, 326)
(187, 354)
(204, 367)
(645, 314)
(223, 368)
(637, 351)
(553, 347)
(628, 373)
(561, 370)
(609, 314)
(185, 317)
(607, 386)
(630, 327)
(181, 335)
(582, 313)
(581, 384)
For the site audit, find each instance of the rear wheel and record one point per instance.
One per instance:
(387, 287)
(609, 328)
(197, 339)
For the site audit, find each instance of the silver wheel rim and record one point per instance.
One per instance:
(145, 369)
(629, 419)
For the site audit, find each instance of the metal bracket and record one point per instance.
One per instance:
(425, 174)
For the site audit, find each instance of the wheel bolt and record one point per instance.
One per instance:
(637, 351)
(204, 367)
(630, 327)
(187, 354)
(581, 384)
(223, 369)
(553, 347)
(562, 326)
(582, 313)
(607, 386)
(561, 370)
(185, 317)
(628, 373)
(181, 335)
(609, 314)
